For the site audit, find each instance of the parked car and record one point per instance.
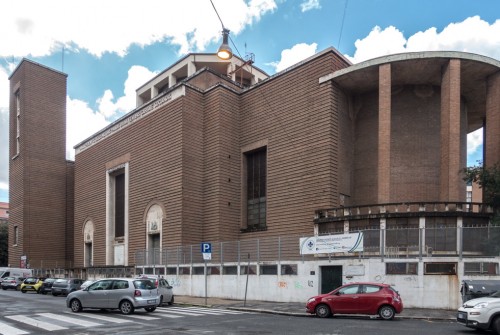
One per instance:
(125, 294)
(66, 286)
(12, 282)
(358, 298)
(86, 283)
(164, 288)
(481, 313)
(32, 284)
(47, 285)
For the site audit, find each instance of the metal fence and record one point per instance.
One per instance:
(387, 243)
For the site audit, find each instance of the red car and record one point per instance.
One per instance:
(357, 298)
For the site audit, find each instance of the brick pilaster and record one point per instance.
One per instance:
(384, 134)
(450, 132)
(492, 129)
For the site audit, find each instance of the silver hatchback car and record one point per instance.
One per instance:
(126, 294)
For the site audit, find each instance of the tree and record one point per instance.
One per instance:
(4, 243)
(488, 180)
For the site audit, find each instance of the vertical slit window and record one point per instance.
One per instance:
(18, 121)
(120, 205)
(256, 188)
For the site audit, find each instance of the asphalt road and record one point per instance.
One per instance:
(44, 314)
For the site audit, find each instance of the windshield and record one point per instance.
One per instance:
(495, 294)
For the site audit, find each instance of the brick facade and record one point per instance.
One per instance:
(335, 134)
(38, 172)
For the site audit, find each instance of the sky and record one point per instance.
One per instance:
(110, 48)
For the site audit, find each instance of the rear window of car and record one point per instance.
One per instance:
(61, 281)
(30, 280)
(144, 284)
(9, 278)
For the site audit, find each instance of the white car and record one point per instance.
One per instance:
(481, 313)
(164, 288)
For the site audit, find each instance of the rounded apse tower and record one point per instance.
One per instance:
(411, 114)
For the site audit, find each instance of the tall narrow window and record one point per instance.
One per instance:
(16, 235)
(256, 188)
(120, 205)
(88, 254)
(18, 121)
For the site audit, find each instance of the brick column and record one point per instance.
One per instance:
(492, 128)
(384, 134)
(450, 132)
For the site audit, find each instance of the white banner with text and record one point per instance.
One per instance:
(331, 244)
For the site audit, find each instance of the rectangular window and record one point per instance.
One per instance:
(480, 268)
(440, 268)
(252, 270)
(171, 271)
(213, 270)
(289, 269)
(268, 269)
(230, 270)
(198, 270)
(401, 268)
(16, 235)
(256, 188)
(120, 205)
(184, 270)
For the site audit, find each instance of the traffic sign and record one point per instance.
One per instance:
(206, 248)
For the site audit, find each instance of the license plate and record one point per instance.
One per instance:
(152, 301)
(462, 316)
(29, 286)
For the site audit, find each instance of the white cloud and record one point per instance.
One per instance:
(309, 5)
(137, 76)
(471, 35)
(294, 55)
(38, 28)
(4, 129)
(82, 122)
(475, 141)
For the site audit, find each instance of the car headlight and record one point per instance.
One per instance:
(311, 300)
(481, 305)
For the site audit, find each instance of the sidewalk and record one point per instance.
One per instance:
(298, 309)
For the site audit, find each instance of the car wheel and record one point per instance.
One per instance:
(171, 302)
(4, 288)
(55, 294)
(386, 312)
(161, 300)
(76, 305)
(44, 292)
(495, 325)
(322, 311)
(126, 307)
(150, 309)
(23, 290)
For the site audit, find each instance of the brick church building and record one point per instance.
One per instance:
(220, 151)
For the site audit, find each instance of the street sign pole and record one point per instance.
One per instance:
(206, 250)
(206, 283)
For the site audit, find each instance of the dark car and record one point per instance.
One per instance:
(47, 285)
(358, 298)
(66, 286)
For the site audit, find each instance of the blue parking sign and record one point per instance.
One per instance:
(206, 248)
